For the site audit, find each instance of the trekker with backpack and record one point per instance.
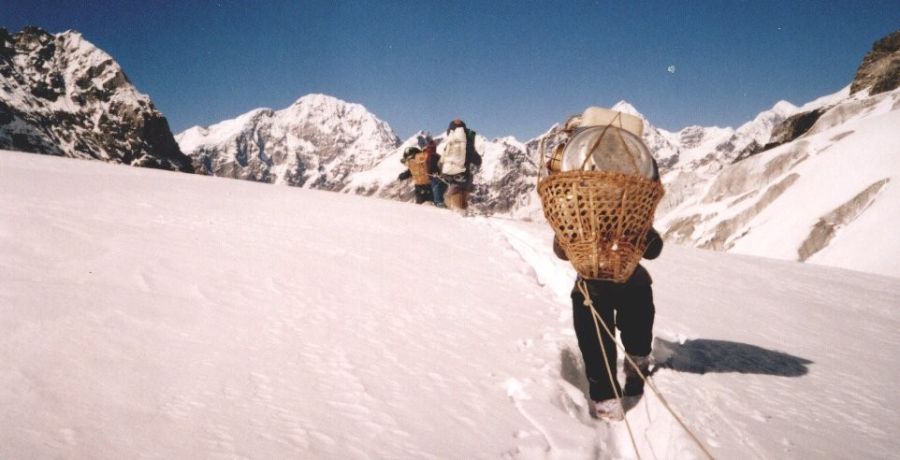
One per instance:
(417, 169)
(459, 162)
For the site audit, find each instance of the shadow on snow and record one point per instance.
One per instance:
(697, 357)
(702, 355)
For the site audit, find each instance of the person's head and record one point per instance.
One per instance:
(411, 152)
(429, 140)
(456, 123)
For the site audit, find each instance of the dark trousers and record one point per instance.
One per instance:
(629, 308)
(438, 187)
(423, 193)
(458, 190)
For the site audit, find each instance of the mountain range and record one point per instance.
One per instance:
(810, 183)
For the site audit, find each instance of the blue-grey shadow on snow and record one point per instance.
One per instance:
(697, 357)
(703, 355)
(572, 370)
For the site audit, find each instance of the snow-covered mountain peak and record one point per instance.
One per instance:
(350, 121)
(325, 105)
(323, 102)
(64, 96)
(783, 107)
(758, 131)
(318, 99)
(195, 136)
(626, 107)
(75, 43)
(317, 141)
(781, 110)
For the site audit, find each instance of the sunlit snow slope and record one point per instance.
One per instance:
(154, 314)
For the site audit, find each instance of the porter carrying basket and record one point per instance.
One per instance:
(601, 216)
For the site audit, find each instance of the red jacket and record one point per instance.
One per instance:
(432, 158)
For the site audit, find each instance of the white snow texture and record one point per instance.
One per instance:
(147, 313)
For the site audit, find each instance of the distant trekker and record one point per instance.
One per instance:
(417, 169)
(459, 162)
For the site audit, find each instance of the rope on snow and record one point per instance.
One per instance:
(598, 321)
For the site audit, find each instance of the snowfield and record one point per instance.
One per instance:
(153, 314)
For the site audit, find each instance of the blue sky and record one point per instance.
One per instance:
(506, 67)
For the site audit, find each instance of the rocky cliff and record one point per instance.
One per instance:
(880, 69)
(61, 95)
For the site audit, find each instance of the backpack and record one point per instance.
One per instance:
(419, 169)
(453, 160)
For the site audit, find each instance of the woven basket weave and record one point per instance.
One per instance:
(418, 169)
(601, 219)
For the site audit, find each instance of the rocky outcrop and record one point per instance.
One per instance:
(880, 69)
(725, 233)
(828, 225)
(793, 127)
(507, 181)
(61, 95)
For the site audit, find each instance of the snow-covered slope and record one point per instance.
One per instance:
(317, 142)
(815, 183)
(150, 314)
(824, 197)
(61, 95)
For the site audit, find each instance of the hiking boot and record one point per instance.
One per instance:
(609, 410)
(634, 384)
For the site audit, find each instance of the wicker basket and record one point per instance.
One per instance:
(419, 170)
(601, 219)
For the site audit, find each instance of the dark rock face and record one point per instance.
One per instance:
(880, 69)
(793, 127)
(692, 136)
(751, 149)
(513, 180)
(61, 95)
